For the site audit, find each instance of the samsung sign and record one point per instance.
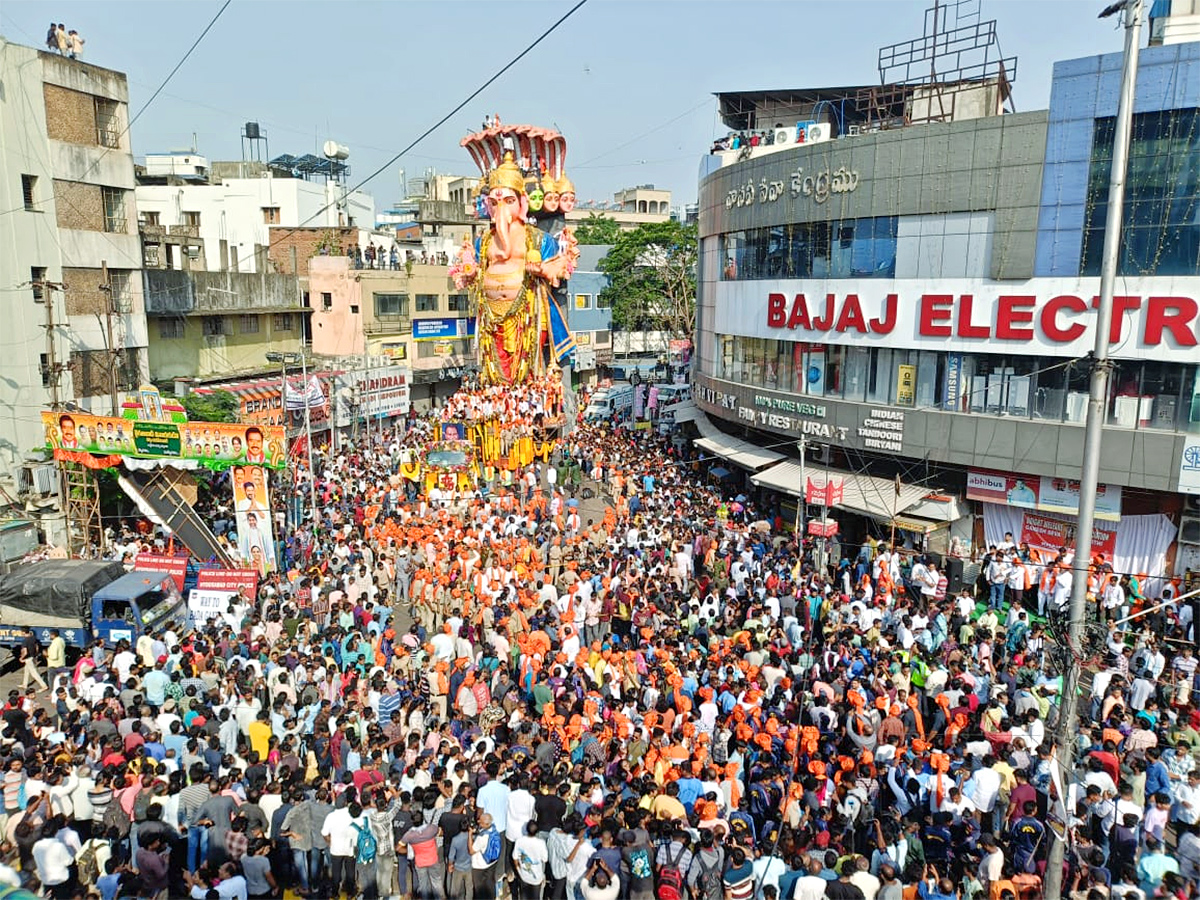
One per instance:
(1152, 317)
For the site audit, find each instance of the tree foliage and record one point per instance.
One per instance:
(653, 279)
(219, 406)
(597, 229)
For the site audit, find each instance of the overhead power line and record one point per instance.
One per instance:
(439, 123)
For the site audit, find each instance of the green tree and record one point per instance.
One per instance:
(597, 229)
(219, 406)
(652, 272)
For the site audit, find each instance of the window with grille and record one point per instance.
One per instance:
(459, 303)
(326, 301)
(391, 305)
(171, 329)
(37, 278)
(214, 325)
(192, 220)
(108, 123)
(122, 293)
(282, 322)
(29, 190)
(114, 209)
(248, 324)
(150, 218)
(427, 302)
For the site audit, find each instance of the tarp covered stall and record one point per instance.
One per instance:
(1134, 544)
(53, 593)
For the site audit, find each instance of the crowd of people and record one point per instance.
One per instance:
(63, 42)
(539, 398)
(657, 694)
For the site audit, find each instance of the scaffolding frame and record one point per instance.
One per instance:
(958, 51)
(85, 528)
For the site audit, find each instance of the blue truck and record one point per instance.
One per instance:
(85, 600)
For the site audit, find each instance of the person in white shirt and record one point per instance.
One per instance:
(340, 830)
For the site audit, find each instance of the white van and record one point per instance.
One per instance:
(613, 404)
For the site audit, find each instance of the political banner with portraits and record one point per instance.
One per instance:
(252, 511)
(209, 443)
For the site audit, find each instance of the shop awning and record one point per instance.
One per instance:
(687, 411)
(737, 451)
(877, 498)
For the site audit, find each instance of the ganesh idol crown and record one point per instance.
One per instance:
(517, 269)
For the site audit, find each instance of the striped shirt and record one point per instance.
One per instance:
(388, 706)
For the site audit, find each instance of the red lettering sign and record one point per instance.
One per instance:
(1174, 314)
(228, 580)
(175, 566)
(935, 308)
(1049, 533)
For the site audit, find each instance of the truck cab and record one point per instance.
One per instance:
(136, 603)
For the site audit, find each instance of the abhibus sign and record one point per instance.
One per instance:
(1160, 315)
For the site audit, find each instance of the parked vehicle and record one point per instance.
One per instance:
(612, 404)
(86, 599)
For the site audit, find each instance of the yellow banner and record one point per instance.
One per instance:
(906, 385)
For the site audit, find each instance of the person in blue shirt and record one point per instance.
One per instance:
(1158, 778)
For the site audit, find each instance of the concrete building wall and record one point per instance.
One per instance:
(982, 164)
(236, 211)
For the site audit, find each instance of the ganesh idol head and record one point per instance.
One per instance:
(507, 205)
(566, 194)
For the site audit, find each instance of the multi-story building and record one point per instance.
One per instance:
(589, 317)
(413, 316)
(213, 326)
(910, 292)
(234, 207)
(630, 207)
(66, 188)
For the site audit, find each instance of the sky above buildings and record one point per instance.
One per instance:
(629, 82)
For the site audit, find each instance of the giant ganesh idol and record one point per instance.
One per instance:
(514, 269)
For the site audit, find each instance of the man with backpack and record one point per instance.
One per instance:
(672, 864)
(344, 829)
(487, 846)
(705, 877)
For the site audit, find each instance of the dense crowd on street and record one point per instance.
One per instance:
(656, 694)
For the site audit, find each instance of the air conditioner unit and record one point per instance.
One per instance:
(817, 133)
(783, 135)
(1191, 504)
(1189, 530)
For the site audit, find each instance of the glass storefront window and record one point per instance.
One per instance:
(1161, 228)
(845, 248)
(1150, 394)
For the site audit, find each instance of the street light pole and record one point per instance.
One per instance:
(312, 472)
(1068, 724)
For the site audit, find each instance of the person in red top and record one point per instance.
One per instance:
(1108, 758)
(367, 775)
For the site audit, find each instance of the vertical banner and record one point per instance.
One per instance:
(906, 385)
(252, 510)
(952, 386)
